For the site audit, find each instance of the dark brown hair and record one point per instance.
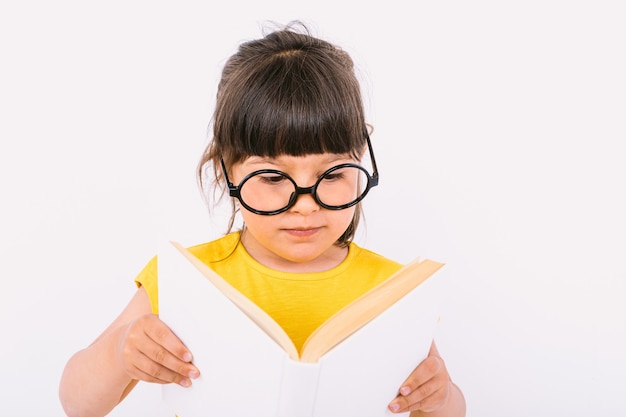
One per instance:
(288, 93)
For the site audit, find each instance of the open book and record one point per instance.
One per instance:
(352, 365)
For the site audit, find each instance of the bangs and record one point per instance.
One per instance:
(291, 106)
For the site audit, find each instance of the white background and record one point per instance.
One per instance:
(499, 130)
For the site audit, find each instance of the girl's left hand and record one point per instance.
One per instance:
(427, 388)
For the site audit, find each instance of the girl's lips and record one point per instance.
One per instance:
(302, 232)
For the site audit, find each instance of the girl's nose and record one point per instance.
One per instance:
(305, 204)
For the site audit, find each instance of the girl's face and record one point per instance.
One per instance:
(301, 239)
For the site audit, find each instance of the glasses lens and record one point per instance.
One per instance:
(267, 191)
(342, 186)
(271, 191)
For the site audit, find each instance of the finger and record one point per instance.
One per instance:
(425, 371)
(148, 370)
(161, 358)
(145, 358)
(427, 397)
(142, 366)
(161, 334)
(171, 345)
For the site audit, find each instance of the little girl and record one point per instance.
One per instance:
(289, 134)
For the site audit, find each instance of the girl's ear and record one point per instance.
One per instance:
(363, 151)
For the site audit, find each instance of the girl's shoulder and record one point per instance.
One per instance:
(216, 250)
(368, 259)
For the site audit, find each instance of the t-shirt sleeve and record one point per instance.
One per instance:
(147, 278)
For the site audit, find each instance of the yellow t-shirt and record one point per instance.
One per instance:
(299, 302)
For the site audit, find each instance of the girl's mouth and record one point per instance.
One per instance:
(303, 232)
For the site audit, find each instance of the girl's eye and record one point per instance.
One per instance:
(334, 176)
(271, 179)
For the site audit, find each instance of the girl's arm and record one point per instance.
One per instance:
(429, 391)
(136, 346)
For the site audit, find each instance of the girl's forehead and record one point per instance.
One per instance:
(291, 160)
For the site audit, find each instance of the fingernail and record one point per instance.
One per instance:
(194, 374)
(185, 383)
(394, 406)
(405, 390)
(187, 357)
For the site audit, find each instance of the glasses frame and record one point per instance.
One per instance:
(372, 181)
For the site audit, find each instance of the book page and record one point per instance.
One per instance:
(236, 358)
(257, 314)
(361, 375)
(365, 308)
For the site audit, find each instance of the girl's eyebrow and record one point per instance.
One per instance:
(257, 160)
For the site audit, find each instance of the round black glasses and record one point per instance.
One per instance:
(270, 191)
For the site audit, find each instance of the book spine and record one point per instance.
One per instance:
(298, 389)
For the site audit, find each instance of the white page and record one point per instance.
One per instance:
(362, 375)
(200, 314)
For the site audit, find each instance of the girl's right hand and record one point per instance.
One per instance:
(149, 351)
